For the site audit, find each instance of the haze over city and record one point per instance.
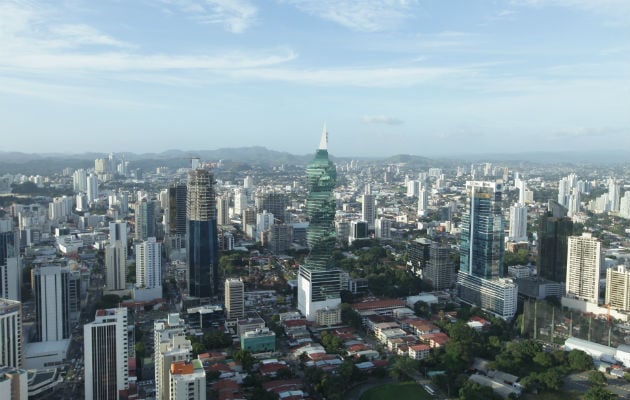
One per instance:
(417, 77)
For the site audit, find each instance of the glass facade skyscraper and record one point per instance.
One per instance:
(319, 282)
(480, 280)
(482, 235)
(202, 248)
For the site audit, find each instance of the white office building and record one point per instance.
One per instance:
(11, 341)
(234, 298)
(106, 354)
(52, 302)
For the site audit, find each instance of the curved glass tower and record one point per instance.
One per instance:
(320, 208)
(319, 282)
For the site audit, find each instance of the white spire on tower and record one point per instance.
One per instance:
(323, 143)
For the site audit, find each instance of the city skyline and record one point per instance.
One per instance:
(388, 77)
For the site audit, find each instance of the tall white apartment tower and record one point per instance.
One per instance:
(618, 288)
(423, 201)
(11, 333)
(149, 264)
(92, 188)
(170, 345)
(583, 266)
(412, 188)
(234, 298)
(52, 302)
(518, 222)
(187, 381)
(106, 354)
(79, 181)
(368, 209)
(240, 201)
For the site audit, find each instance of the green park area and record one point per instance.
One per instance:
(398, 391)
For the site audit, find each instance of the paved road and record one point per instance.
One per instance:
(579, 382)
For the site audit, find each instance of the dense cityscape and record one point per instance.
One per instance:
(314, 199)
(225, 279)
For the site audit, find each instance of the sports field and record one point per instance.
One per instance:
(397, 391)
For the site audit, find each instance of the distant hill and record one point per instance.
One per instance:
(45, 163)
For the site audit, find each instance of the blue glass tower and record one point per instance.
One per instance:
(480, 280)
(202, 248)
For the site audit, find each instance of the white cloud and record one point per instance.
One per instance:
(235, 16)
(80, 35)
(618, 9)
(33, 40)
(381, 119)
(364, 77)
(361, 15)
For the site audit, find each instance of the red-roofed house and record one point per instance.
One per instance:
(419, 351)
(435, 340)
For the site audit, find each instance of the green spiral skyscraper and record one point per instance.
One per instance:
(319, 281)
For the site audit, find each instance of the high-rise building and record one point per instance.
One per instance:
(618, 288)
(11, 339)
(383, 228)
(10, 262)
(480, 280)
(149, 264)
(614, 193)
(624, 205)
(234, 298)
(432, 262)
(106, 351)
(79, 181)
(52, 302)
(13, 383)
(240, 201)
(423, 201)
(274, 203)
(203, 246)
(176, 209)
(92, 188)
(368, 209)
(116, 256)
(583, 266)
(358, 231)
(319, 282)
(188, 381)
(554, 229)
(145, 219)
(170, 345)
(280, 238)
(413, 187)
(518, 222)
(223, 209)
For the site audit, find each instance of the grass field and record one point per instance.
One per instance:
(397, 391)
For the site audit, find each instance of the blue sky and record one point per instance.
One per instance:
(422, 77)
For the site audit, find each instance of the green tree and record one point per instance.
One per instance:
(473, 391)
(597, 378)
(350, 317)
(579, 360)
(246, 359)
(599, 393)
